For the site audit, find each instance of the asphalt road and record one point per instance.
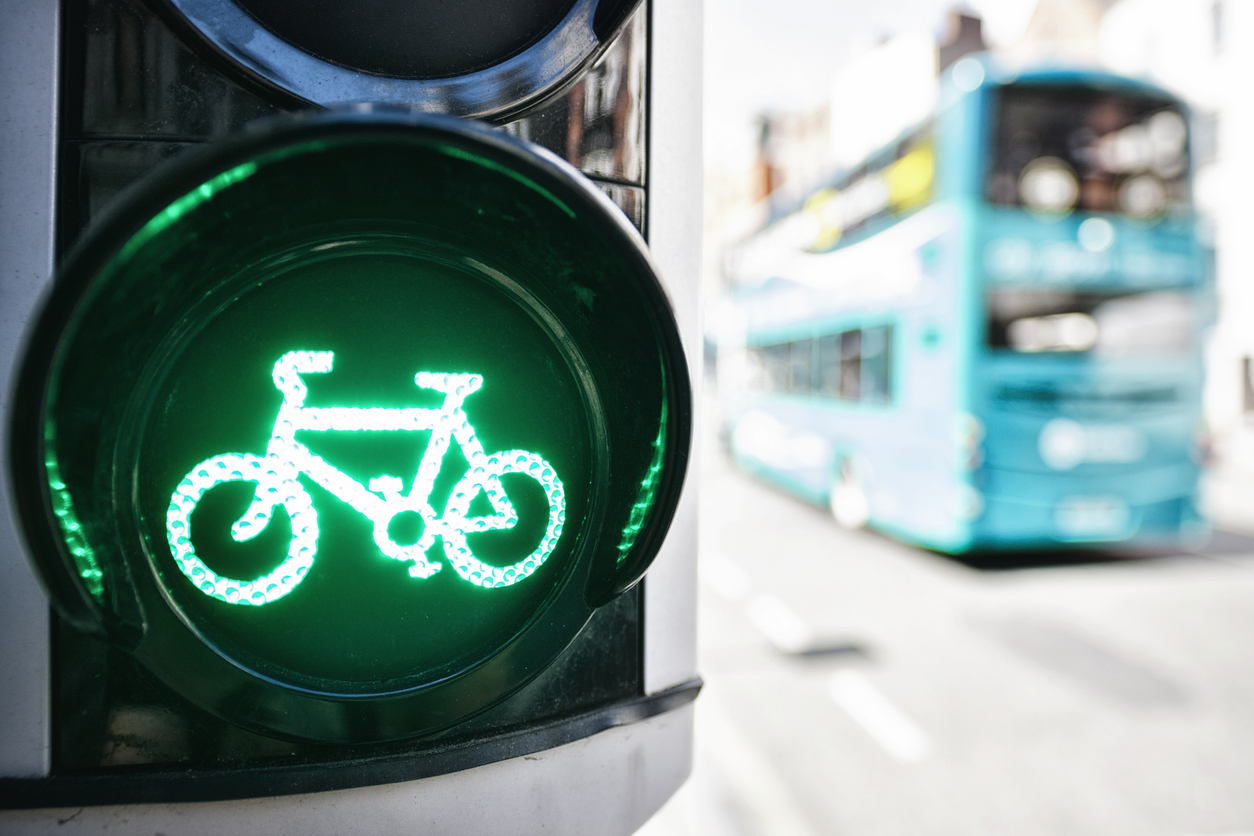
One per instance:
(859, 686)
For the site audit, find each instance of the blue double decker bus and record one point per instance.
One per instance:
(989, 334)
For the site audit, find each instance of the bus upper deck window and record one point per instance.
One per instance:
(1063, 148)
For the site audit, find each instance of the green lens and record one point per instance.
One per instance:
(374, 460)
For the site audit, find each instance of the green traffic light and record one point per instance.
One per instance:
(346, 428)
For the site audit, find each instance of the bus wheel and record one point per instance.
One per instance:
(848, 499)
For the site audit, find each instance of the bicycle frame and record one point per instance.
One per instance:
(276, 474)
(447, 422)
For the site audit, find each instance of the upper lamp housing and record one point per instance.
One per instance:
(489, 59)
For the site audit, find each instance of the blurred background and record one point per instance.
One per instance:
(977, 449)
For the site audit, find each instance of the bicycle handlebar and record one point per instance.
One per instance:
(289, 368)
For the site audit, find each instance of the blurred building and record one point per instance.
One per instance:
(881, 93)
(1061, 32)
(965, 35)
(1204, 51)
(792, 149)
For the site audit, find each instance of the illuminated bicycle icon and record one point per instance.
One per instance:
(275, 475)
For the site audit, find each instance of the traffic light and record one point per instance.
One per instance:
(341, 440)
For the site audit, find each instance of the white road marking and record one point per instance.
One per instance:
(723, 576)
(781, 626)
(896, 733)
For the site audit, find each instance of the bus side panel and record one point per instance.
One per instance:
(900, 452)
(910, 455)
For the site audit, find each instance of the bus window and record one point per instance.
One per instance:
(775, 369)
(1032, 320)
(1058, 149)
(877, 363)
(827, 367)
(801, 362)
(755, 374)
(850, 365)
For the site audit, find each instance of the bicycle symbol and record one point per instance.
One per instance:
(286, 458)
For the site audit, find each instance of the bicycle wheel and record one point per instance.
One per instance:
(273, 489)
(457, 525)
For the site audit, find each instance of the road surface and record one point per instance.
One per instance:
(859, 686)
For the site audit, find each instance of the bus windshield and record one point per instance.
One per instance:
(1056, 149)
(1121, 322)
